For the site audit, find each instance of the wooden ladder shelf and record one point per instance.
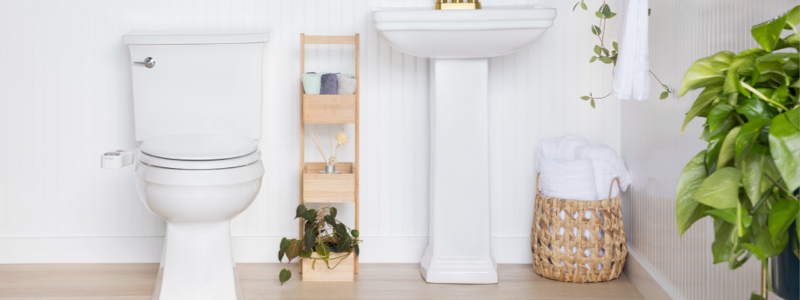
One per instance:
(329, 109)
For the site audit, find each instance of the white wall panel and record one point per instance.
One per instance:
(681, 32)
(65, 98)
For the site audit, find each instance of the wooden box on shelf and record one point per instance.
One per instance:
(343, 272)
(329, 109)
(329, 188)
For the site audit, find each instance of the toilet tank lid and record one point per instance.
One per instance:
(182, 37)
(199, 146)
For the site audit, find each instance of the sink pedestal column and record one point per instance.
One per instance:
(459, 248)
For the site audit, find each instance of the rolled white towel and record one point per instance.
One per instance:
(558, 148)
(567, 179)
(606, 165)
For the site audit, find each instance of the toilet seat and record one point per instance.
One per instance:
(199, 151)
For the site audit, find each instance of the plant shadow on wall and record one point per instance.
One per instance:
(748, 177)
(603, 54)
(325, 239)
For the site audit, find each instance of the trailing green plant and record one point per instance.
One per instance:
(601, 51)
(324, 235)
(747, 178)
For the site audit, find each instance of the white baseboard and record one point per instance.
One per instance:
(250, 249)
(650, 284)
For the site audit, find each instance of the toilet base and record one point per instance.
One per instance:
(197, 263)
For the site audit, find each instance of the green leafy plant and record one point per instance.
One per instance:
(601, 51)
(747, 178)
(324, 235)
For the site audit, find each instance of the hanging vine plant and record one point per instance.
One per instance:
(605, 55)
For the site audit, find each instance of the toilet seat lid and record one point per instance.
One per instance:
(199, 146)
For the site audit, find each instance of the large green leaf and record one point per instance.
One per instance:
(705, 98)
(765, 242)
(727, 151)
(783, 213)
(706, 71)
(720, 190)
(322, 250)
(301, 211)
(283, 247)
(721, 248)
(792, 18)
(293, 251)
(748, 135)
(755, 109)
(329, 220)
(717, 115)
(777, 56)
(750, 166)
(772, 69)
(344, 244)
(768, 33)
(333, 212)
(731, 84)
(687, 210)
(284, 276)
(309, 239)
(311, 214)
(784, 143)
(746, 55)
(712, 152)
(730, 215)
(793, 40)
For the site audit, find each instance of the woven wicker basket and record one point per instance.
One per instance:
(547, 240)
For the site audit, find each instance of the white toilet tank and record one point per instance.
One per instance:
(201, 82)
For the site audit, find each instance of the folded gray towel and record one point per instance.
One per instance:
(329, 84)
(347, 84)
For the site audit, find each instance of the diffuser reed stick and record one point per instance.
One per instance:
(341, 140)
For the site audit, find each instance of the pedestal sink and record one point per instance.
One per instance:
(460, 43)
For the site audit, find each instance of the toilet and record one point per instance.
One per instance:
(197, 99)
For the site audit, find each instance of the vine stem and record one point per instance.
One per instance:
(609, 94)
(659, 80)
(780, 187)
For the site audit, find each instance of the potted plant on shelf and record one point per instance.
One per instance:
(748, 177)
(326, 244)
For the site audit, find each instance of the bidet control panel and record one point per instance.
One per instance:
(117, 159)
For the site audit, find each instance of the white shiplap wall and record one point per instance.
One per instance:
(65, 98)
(682, 31)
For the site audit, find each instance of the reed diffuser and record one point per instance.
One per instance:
(330, 161)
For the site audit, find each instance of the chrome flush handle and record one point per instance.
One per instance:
(148, 62)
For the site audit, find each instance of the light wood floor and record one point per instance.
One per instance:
(260, 281)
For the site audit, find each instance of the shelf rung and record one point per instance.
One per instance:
(330, 39)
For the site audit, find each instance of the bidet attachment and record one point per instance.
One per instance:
(117, 159)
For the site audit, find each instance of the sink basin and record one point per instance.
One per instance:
(487, 32)
(459, 44)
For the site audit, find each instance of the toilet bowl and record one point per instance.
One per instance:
(197, 99)
(197, 184)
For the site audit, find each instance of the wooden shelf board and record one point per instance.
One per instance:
(329, 188)
(329, 109)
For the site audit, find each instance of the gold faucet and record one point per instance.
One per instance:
(457, 5)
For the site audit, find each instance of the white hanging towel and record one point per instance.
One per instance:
(631, 78)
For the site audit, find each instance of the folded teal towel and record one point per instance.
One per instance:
(311, 83)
